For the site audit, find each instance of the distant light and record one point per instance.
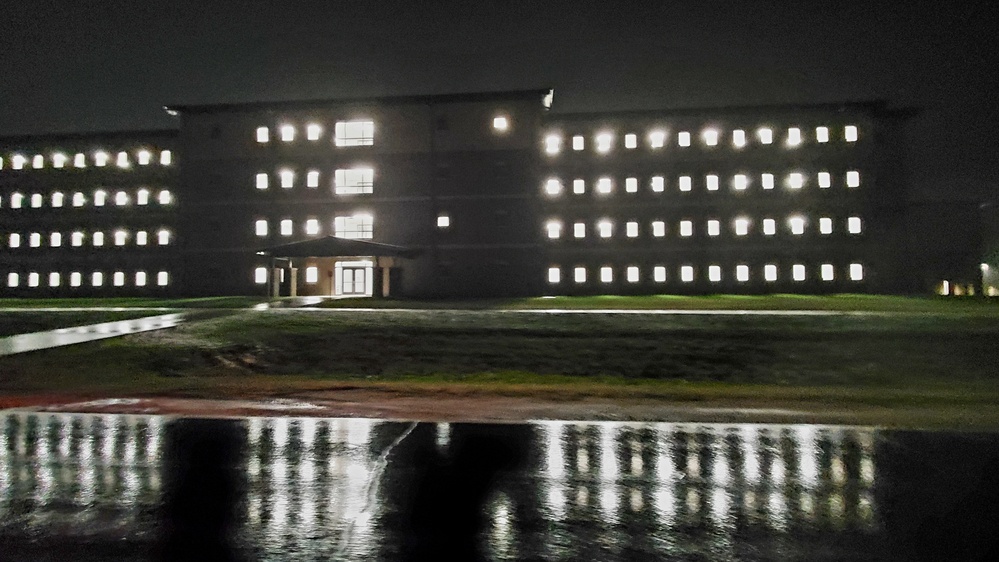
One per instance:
(769, 227)
(793, 136)
(122, 160)
(577, 142)
(144, 157)
(686, 228)
(828, 272)
(741, 226)
(658, 229)
(825, 225)
(606, 274)
(313, 131)
(795, 180)
(710, 137)
(854, 225)
(683, 138)
(553, 186)
(738, 138)
(714, 273)
(604, 185)
(262, 181)
(825, 180)
(38, 161)
(659, 274)
(631, 185)
(579, 275)
(631, 229)
(631, 140)
(850, 133)
(711, 182)
(554, 229)
(657, 139)
(857, 272)
(59, 160)
(767, 180)
(579, 230)
(553, 144)
(443, 221)
(658, 184)
(714, 227)
(821, 134)
(604, 142)
(632, 274)
(287, 133)
(312, 227)
(687, 274)
(797, 224)
(740, 182)
(263, 134)
(984, 267)
(798, 272)
(101, 158)
(605, 228)
(501, 123)
(765, 135)
(554, 275)
(853, 179)
(578, 186)
(260, 275)
(685, 183)
(742, 273)
(770, 273)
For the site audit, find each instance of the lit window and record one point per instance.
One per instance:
(263, 134)
(75, 279)
(631, 140)
(57, 199)
(683, 138)
(355, 133)
(798, 272)
(55, 239)
(165, 198)
(767, 180)
(658, 184)
(501, 123)
(605, 228)
(312, 227)
(553, 186)
(32, 279)
(59, 160)
(354, 181)
(853, 179)
(821, 134)
(35, 240)
(287, 178)
(262, 181)
(741, 226)
(742, 273)
(97, 279)
(714, 273)
(577, 142)
(769, 227)
(121, 198)
(141, 238)
(578, 186)
(853, 225)
(14, 240)
(825, 225)
(604, 142)
(18, 161)
(361, 225)
(162, 278)
(579, 230)
(97, 238)
(313, 131)
(604, 185)
(740, 182)
(286, 227)
(142, 197)
(579, 274)
(140, 278)
(739, 138)
(632, 274)
(166, 157)
(659, 274)
(686, 228)
(163, 237)
(828, 272)
(553, 144)
(80, 160)
(631, 185)
(796, 224)
(856, 272)
(554, 229)
(443, 221)
(36, 200)
(100, 197)
(795, 180)
(658, 229)
(312, 179)
(144, 157)
(687, 273)
(554, 275)
(312, 274)
(710, 137)
(606, 274)
(261, 227)
(825, 180)
(850, 133)
(657, 139)
(260, 275)
(631, 229)
(120, 237)
(287, 133)
(118, 279)
(16, 200)
(765, 135)
(122, 160)
(101, 158)
(79, 199)
(770, 272)
(685, 183)
(13, 280)
(793, 136)
(711, 182)
(38, 162)
(76, 239)
(714, 227)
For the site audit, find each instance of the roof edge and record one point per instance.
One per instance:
(875, 107)
(98, 135)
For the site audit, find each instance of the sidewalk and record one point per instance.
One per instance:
(80, 334)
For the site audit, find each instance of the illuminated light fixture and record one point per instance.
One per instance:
(313, 131)
(553, 186)
(658, 184)
(80, 160)
(798, 272)
(685, 183)
(122, 160)
(101, 158)
(742, 273)
(769, 227)
(714, 273)
(741, 226)
(984, 267)
(770, 273)
(260, 275)
(714, 227)
(687, 273)
(261, 227)
(825, 180)
(853, 179)
(828, 272)
(140, 278)
(118, 279)
(13, 279)
(163, 237)
(578, 143)
(850, 133)
(797, 224)
(657, 139)
(287, 133)
(631, 141)
(825, 225)
(710, 137)
(32, 279)
(945, 287)
(312, 179)
(97, 238)
(631, 185)
(311, 274)
(14, 240)
(121, 198)
(16, 200)
(767, 181)
(501, 123)
(55, 239)
(659, 274)
(738, 138)
(579, 275)
(686, 228)
(120, 236)
(142, 197)
(579, 230)
(57, 199)
(286, 227)
(554, 275)
(443, 221)
(856, 272)
(312, 227)
(604, 142)
(18, 161)
(606, 274)
(822, 134)
(287, 178)
(59, 160)
(605, 228)
(765, 135)
(795, 180)
(263, 134)
(35, 240)
(36, 200)
(578, 186)
(632, 274)
(166, 158)
(631, 229)
(75, 279)
(38, 162)
(97, 279)
(76, 239)
(144, 157)
(683, 138)
(740, 182)
(711, 182)
(658, 229)
(554, 229)
(162, 278)
(79, 199)
(165, 198)
(793, 136)
(604, 185)
(141, 238)
(853, 225)
(553, 144)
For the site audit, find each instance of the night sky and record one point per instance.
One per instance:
(91, 66)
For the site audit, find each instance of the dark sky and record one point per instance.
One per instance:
(101, 65)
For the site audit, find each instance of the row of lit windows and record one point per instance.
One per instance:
(99, 199)
(345, 181)
(742, 273)
(98, 158)
(604, 141)
(311, 275)
(741, 226)
(346, 133)
(360, 225)
(77, 239)
(97, 279)
(712, 182)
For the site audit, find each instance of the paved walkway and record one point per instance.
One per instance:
(80, 334)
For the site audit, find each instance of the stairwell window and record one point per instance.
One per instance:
(355, 133)
(354, 181)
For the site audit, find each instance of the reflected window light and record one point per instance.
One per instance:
(261, 227)
(312, 274)
(76, 239)
(631, 141)
(765, 135)
(631, 229)
(121, 198)
(501, 123)
(767, 180)
(144, 157)
(141, 238)
(14, 240)
(118, 279)
(740, 182)
(710, 137)
(287, 178)
(165, 198)
(853, 179)
(312, 227)
(793, 136)
(163, 237)
(313, 131)
(714, 273)
(687, 273)
(443, 221)
(553, 144)
(38, 162)
(798, 272)
(738, 138)
(260, 275)
(828, 272)
(604, 185)
(36, 200)
(120, 236)
(97, 279)
(263, 134)
(769, 227)
(312, 179)
(79, 199)
(657, 139)
(122, 160)
(100, 197)
(59, 160)
(741, 225)
(166, 157)
(604, 142)
(821, 134)
(770, 272)
(287, 133)
(825, 225)
(658, 229)
(856, 272)
(825, 180)
(262, 181)
(578, 186)
(142, 197)
(163, 278)
(659, 274)
(606, 274)
(140, 278)
(850, 133)
(285, 227)
(577, 142)
(685, 183)
(554, 276)
(79, 160)
(605, 228)
(579, 230)
(797, 224)
(35, 240)
(55, 239)
(13, 279)
(795, 180)
(554, 229)
(631, 185)
(853, 225)
(683, 138)
(711, 182)
(658, 184)
(579, 275)
(75, 279)
(101, 158)
(33, 279)
(686, 228)
(714, 227)
(97, 238)
(632, 274)
(57, 199)
(553, 186)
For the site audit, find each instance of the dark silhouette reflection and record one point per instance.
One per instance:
(203, 467)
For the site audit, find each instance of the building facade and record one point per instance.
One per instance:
(463, 195)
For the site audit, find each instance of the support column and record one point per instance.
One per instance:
(276, 282)
(386, 292)
(294, 282)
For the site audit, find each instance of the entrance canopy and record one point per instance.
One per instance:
(332, 246)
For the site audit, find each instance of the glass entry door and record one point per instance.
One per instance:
(354, 281)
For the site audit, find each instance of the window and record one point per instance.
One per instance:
(97, 239)
(579, 275)
(55, 239)
(100, 197)
(553, 187)
(120, 236)
(657, 139)
(825, 225)
(285, 227)
(38, 162)
(714, 273)
(853, 225)
(287, 179)
(144, 157)
(793, 136)
(604, 185)
(577, 142)
(361, 226)
(163, 237)
(140, 278)
(36, 200)
(631, 185)
(824, 180)
(121, 198)
(17, 161)
(165, 198)
(443, 221)
(856, 272)
(658, 184)
(686, 228)
(579, 230)
(796, 224)
(767, 180)
(141, 238)
(631, 229)
(578, 186)
(683, 138)
(16, 200)
(554, 229)
(740, 182)
(354, 181)
(118, 278)
(312, 227)
(162, 278)
(741, 225)
(769, 227)
(850, 133)
(79, 199)
(795, 180)
(765, 135)
(313, 131)
(687, 273)
(742, 273)
(122, 160)
(13, 280)
(710, 137)
(355, 133)
(58, 160)
(142, 197)
(631, 140)
(711, 182)
(76, 239)
(97, 279)
(261, 227)
(770, 272)
(501, 123)
(685, 183)
(659, 274)
(828, 272)
(57, 199)
(553, 144)
(287, 133)
(798, 272)
(606, 274)
(312, 179)
(554, 275)
(80, 160)
(632, 274)
(263, 134)
(312, 274)
(166, 157)
(714, 227)
(75, 279)
(101, 158)
(738, 138)
(14, 240)
(821, 134)
(605, 228)
(260, 275)
(604, 142)
(853, 179)
(35, 240)
(658, 229)
(262, 181)
(32, 279)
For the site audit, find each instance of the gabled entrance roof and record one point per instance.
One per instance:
(332, 246)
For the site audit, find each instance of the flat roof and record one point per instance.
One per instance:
(877, 107)
(97, 136)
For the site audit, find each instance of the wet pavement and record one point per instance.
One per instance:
(136, 487)
(80, 334)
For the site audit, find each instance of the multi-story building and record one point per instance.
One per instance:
(485, 194)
